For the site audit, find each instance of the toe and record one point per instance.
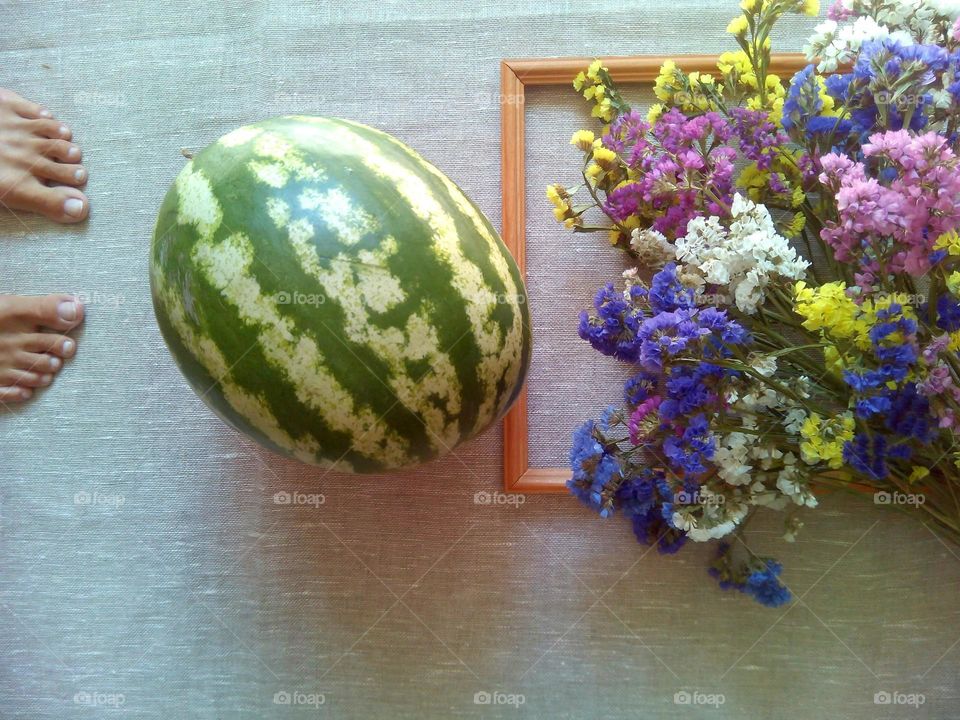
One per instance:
(59, 312)
(23, 107)
(65, 173)
(61, 150)
(35, 362)
(24, 378)
(49, 129)
(60, 204)
(59, 345)
(14, 394)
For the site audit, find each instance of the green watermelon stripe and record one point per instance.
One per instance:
(503, 278)
(382, 394)
(330, 208)
(472, 287)
(255, 372)
(418, 258)
(269, 267)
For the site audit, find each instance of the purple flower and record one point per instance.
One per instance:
(667, 332)
(692, 448)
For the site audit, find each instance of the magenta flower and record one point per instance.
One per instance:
(891, 210)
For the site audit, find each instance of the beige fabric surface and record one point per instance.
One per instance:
(188, 592)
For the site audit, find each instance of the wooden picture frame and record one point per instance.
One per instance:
(515, 77)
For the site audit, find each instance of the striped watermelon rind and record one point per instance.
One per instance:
(336, 297)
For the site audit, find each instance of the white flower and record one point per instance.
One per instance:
(835, 45)
(791, 483)
(947, 8)
(744, 258)
(730, 458)
(794, 420)
(764, 364)
(651, 247)
(717, 521)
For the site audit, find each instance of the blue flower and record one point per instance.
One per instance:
(948, 313)
(596, 473)
(666, 332)
(639, 388)
(723, 331)
(886, 67)
(838, 86)
(869, 406)
(825, 125)
(869, 455)
(803, 99)
(687, 390)
(613, 330)
(667, 293)
(609, 415)
(765, 587)
(692, 448)
(909, 414)
(758, 577)
(642, 499)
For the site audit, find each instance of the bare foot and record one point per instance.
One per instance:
(32, 349)
(39, 166)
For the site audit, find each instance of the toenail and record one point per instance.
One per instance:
(64, 130)
(54, 363)
(45, 113)
(68, 347)
(25, 393)
(72, 206)
(46, 379)
(73, 153)
(67, 310)
(79, 176)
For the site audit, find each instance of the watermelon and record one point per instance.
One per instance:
(337, 298)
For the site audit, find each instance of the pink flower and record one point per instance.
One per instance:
(893, 217)
(643, 409)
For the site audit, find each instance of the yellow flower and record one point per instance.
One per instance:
(593, 72)
(798, 196)
(592, 91)
(949, 241)
(749, 5)
(795, 226)
(954, 345)
(917, 473)
(607, 159)
(735, 62)
(811, 7)
(828, 309)
(603, 110)
(666, 82)
(823, 440)
(833, 360)
(558, 195)
(593, 173)
(953, 282)
(629, 224)
(583, 139)
(579, 81)
(738, 26)
(654, 113)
